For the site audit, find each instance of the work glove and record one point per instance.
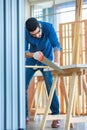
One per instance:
(56, 64)
(38, 56)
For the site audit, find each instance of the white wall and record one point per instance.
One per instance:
(27, 9)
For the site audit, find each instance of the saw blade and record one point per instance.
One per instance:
(51, 64)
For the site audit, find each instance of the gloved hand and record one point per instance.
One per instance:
(38, 56)
(56, 64)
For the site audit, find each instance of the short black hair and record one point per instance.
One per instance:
(32, 24)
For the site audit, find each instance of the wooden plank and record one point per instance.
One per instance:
(84, 85)
(56, 117)
(49, 102)
(78, 119)
(38, 100)
(85, 31)
(30, 96)
(71, 99)
(61, 43)
(65, 92)
(36, 67)
(76, 42)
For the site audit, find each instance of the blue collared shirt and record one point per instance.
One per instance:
(46, 44)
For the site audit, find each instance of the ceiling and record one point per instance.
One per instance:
(32, 2)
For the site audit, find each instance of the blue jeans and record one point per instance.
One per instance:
(48, 81)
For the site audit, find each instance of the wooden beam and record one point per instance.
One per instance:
(76, 42)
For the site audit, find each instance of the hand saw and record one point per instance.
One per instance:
(51, 64)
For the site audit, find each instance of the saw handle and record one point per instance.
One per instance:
(38, 56)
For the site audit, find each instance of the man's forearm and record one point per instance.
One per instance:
(57, 57)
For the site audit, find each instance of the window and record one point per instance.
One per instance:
(59, 13)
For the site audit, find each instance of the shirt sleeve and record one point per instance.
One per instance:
(26, 42)
(53, 38)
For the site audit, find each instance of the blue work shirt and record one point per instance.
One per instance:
(46, 44)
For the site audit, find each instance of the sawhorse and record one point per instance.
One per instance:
(74, 71)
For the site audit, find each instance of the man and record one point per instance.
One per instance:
(41, 39)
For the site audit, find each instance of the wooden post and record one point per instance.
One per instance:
(75, 58)
(77, 42)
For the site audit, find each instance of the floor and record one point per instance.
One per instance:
(35, 125)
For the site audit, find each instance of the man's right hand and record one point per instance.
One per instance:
(38, 56)
(28, 55)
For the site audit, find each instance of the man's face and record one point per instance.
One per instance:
(37, 33)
